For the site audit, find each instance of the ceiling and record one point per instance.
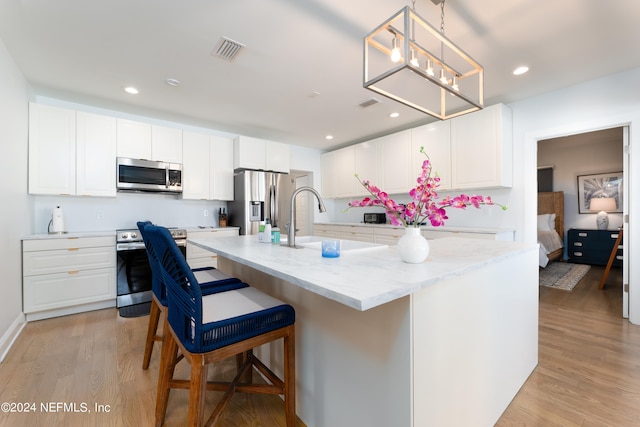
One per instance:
(299, 76)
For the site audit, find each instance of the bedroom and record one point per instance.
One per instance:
(568, 158)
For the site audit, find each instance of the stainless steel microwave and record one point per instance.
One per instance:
(148, 175)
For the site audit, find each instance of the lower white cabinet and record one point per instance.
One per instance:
(198, 257)
(355, 232)
(68, 275)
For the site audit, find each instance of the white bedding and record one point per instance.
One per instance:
(549, 241)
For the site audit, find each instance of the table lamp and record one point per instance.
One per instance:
(603, 205)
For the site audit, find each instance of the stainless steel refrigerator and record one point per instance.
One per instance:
(259, 195)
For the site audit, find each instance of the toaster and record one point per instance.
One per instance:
(375, 218)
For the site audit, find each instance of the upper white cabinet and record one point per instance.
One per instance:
(396, 167)
(434, 137)
(260, 154)
(328, 167)
(52, 150)
(367, 161)
(481, 149)
(166, 144)
(345, 162)
(134, 139)
(221, 168)
(95, 155)
(71, 153)
(207, 170)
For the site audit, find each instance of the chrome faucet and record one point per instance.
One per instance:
(291, 232)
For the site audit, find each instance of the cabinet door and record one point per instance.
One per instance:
(345, 165)
(166, 144)
(52, 150)
(249, 153)
(221, 168)
(134, 139)
(481, 147)
(195, 166)
(328, 177)
(277, 157)
(367, 164)
(96, 155)
(397, 171)
(435, 138)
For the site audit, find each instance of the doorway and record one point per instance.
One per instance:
(569, 157)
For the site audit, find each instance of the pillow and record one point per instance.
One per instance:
(552, 221)
(544, 221)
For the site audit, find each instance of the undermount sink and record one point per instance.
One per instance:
(315, 242)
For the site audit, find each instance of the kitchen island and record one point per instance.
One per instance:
(383, 343)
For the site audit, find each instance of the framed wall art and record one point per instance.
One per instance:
(600, 185)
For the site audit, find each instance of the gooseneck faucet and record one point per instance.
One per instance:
(291, 233)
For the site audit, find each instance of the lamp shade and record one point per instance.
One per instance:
(606, 204)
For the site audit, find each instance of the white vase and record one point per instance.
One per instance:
(413, 246)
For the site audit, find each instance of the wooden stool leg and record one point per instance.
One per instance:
(165, 374)
(154, 318)
(197, 391)
(290, 377)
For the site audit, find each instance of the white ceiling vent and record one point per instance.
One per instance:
(369, 103)
(227, 49)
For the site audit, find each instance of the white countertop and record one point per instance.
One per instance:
(425, 227)
(70, 235)
(363, 280)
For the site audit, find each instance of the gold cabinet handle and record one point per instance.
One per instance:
(73, 272)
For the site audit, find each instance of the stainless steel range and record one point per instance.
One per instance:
(134, 272)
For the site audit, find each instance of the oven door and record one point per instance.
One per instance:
(134, 274)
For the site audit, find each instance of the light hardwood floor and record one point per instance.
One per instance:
(588, 372)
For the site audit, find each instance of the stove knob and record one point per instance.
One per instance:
(134, 235)
(124, 236)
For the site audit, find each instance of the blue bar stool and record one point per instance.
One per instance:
(211, 281)
(210, 328)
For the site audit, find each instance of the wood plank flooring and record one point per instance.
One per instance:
(588, 372)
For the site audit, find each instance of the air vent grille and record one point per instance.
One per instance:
(227, 49)
(369, 102)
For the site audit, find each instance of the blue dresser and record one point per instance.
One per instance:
(592, 246)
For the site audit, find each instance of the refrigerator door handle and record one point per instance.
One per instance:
(273, 204)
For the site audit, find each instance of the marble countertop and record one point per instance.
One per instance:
(70, 235)
(363, 280)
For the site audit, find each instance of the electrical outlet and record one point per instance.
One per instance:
(206, 212)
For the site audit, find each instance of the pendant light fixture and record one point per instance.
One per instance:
(408, 60)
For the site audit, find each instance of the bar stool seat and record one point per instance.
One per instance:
(210, 328)
(211, 280)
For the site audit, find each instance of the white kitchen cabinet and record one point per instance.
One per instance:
(387, 235)
(344, 166)
(207, 169)
(481, 149)
(221, 168)
(195, 168)
(259, 154)
(397, 170)
(166, 144)
(134, 139)
(68, 275)
(52, 150)
(367, 164)
(198, 257)
(328, 182)
(355, 232)
(95, 155)
(435, 138)
(325, 230)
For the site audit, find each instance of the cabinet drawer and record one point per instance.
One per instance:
(52, 291)
(358, 237)
(67, 260)
(208, 261)
(219, 232)
(194, 251)
(68, 243)
(387, 235)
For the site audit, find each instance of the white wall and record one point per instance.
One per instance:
(16, 206)
(598, 104)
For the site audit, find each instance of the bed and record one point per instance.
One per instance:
(550, 226)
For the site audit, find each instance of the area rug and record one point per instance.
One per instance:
(562, 275)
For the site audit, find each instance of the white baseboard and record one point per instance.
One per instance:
(11, 335)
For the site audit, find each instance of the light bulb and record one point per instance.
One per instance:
(443, 77)
(414, 59)
(395, 50)
(430, 68)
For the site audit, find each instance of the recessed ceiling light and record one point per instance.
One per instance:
(328, 137)
(520, 70)
(173, 82)
(394, 115)
(132, 90)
